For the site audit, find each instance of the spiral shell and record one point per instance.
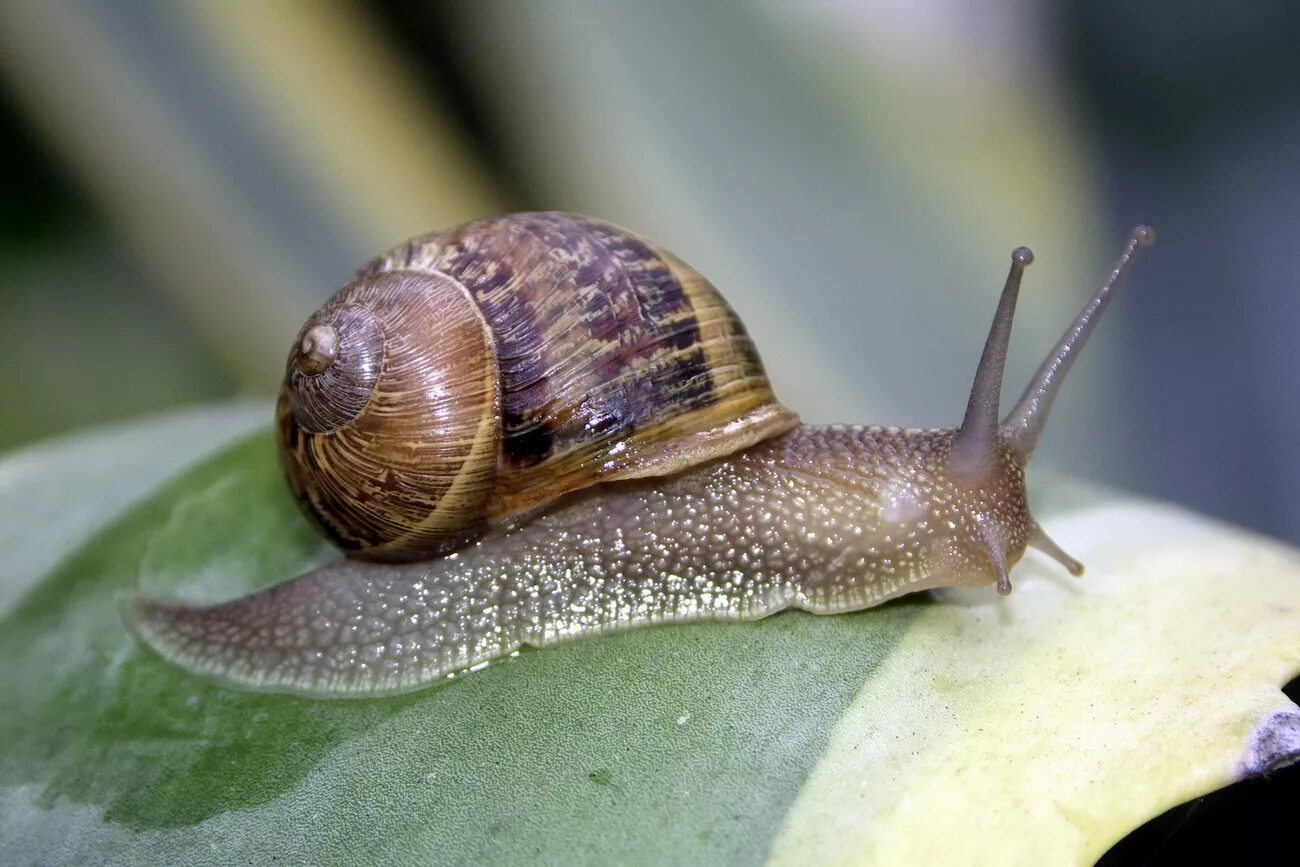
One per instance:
(471, 376)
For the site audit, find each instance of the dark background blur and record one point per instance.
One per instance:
(180, 185)
(183, 183)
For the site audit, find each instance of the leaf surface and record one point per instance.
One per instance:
(1035, 729)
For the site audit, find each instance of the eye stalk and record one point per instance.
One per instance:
(1023, 426)
(975, 447)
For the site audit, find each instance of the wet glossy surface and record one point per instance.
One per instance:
(823, 519)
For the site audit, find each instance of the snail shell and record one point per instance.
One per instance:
(472, 376)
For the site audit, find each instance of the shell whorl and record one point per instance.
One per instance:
(617, 360)
(334, 366)
(394, 443)
(602, 357)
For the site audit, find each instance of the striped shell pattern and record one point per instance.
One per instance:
(476, 374)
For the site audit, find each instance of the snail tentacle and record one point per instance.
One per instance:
(1023, 426)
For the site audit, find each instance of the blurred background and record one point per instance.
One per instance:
(183, 183)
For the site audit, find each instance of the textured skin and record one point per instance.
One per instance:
(605, 358)
(824, 519)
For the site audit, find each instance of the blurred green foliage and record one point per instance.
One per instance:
(85, 340)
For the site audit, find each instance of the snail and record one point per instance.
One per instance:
(537, 427)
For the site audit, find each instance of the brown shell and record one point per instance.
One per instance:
(613, 360)
(393, 447)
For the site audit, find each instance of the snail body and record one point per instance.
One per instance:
(622, 461)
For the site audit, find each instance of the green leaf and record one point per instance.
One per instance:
(965, 727)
